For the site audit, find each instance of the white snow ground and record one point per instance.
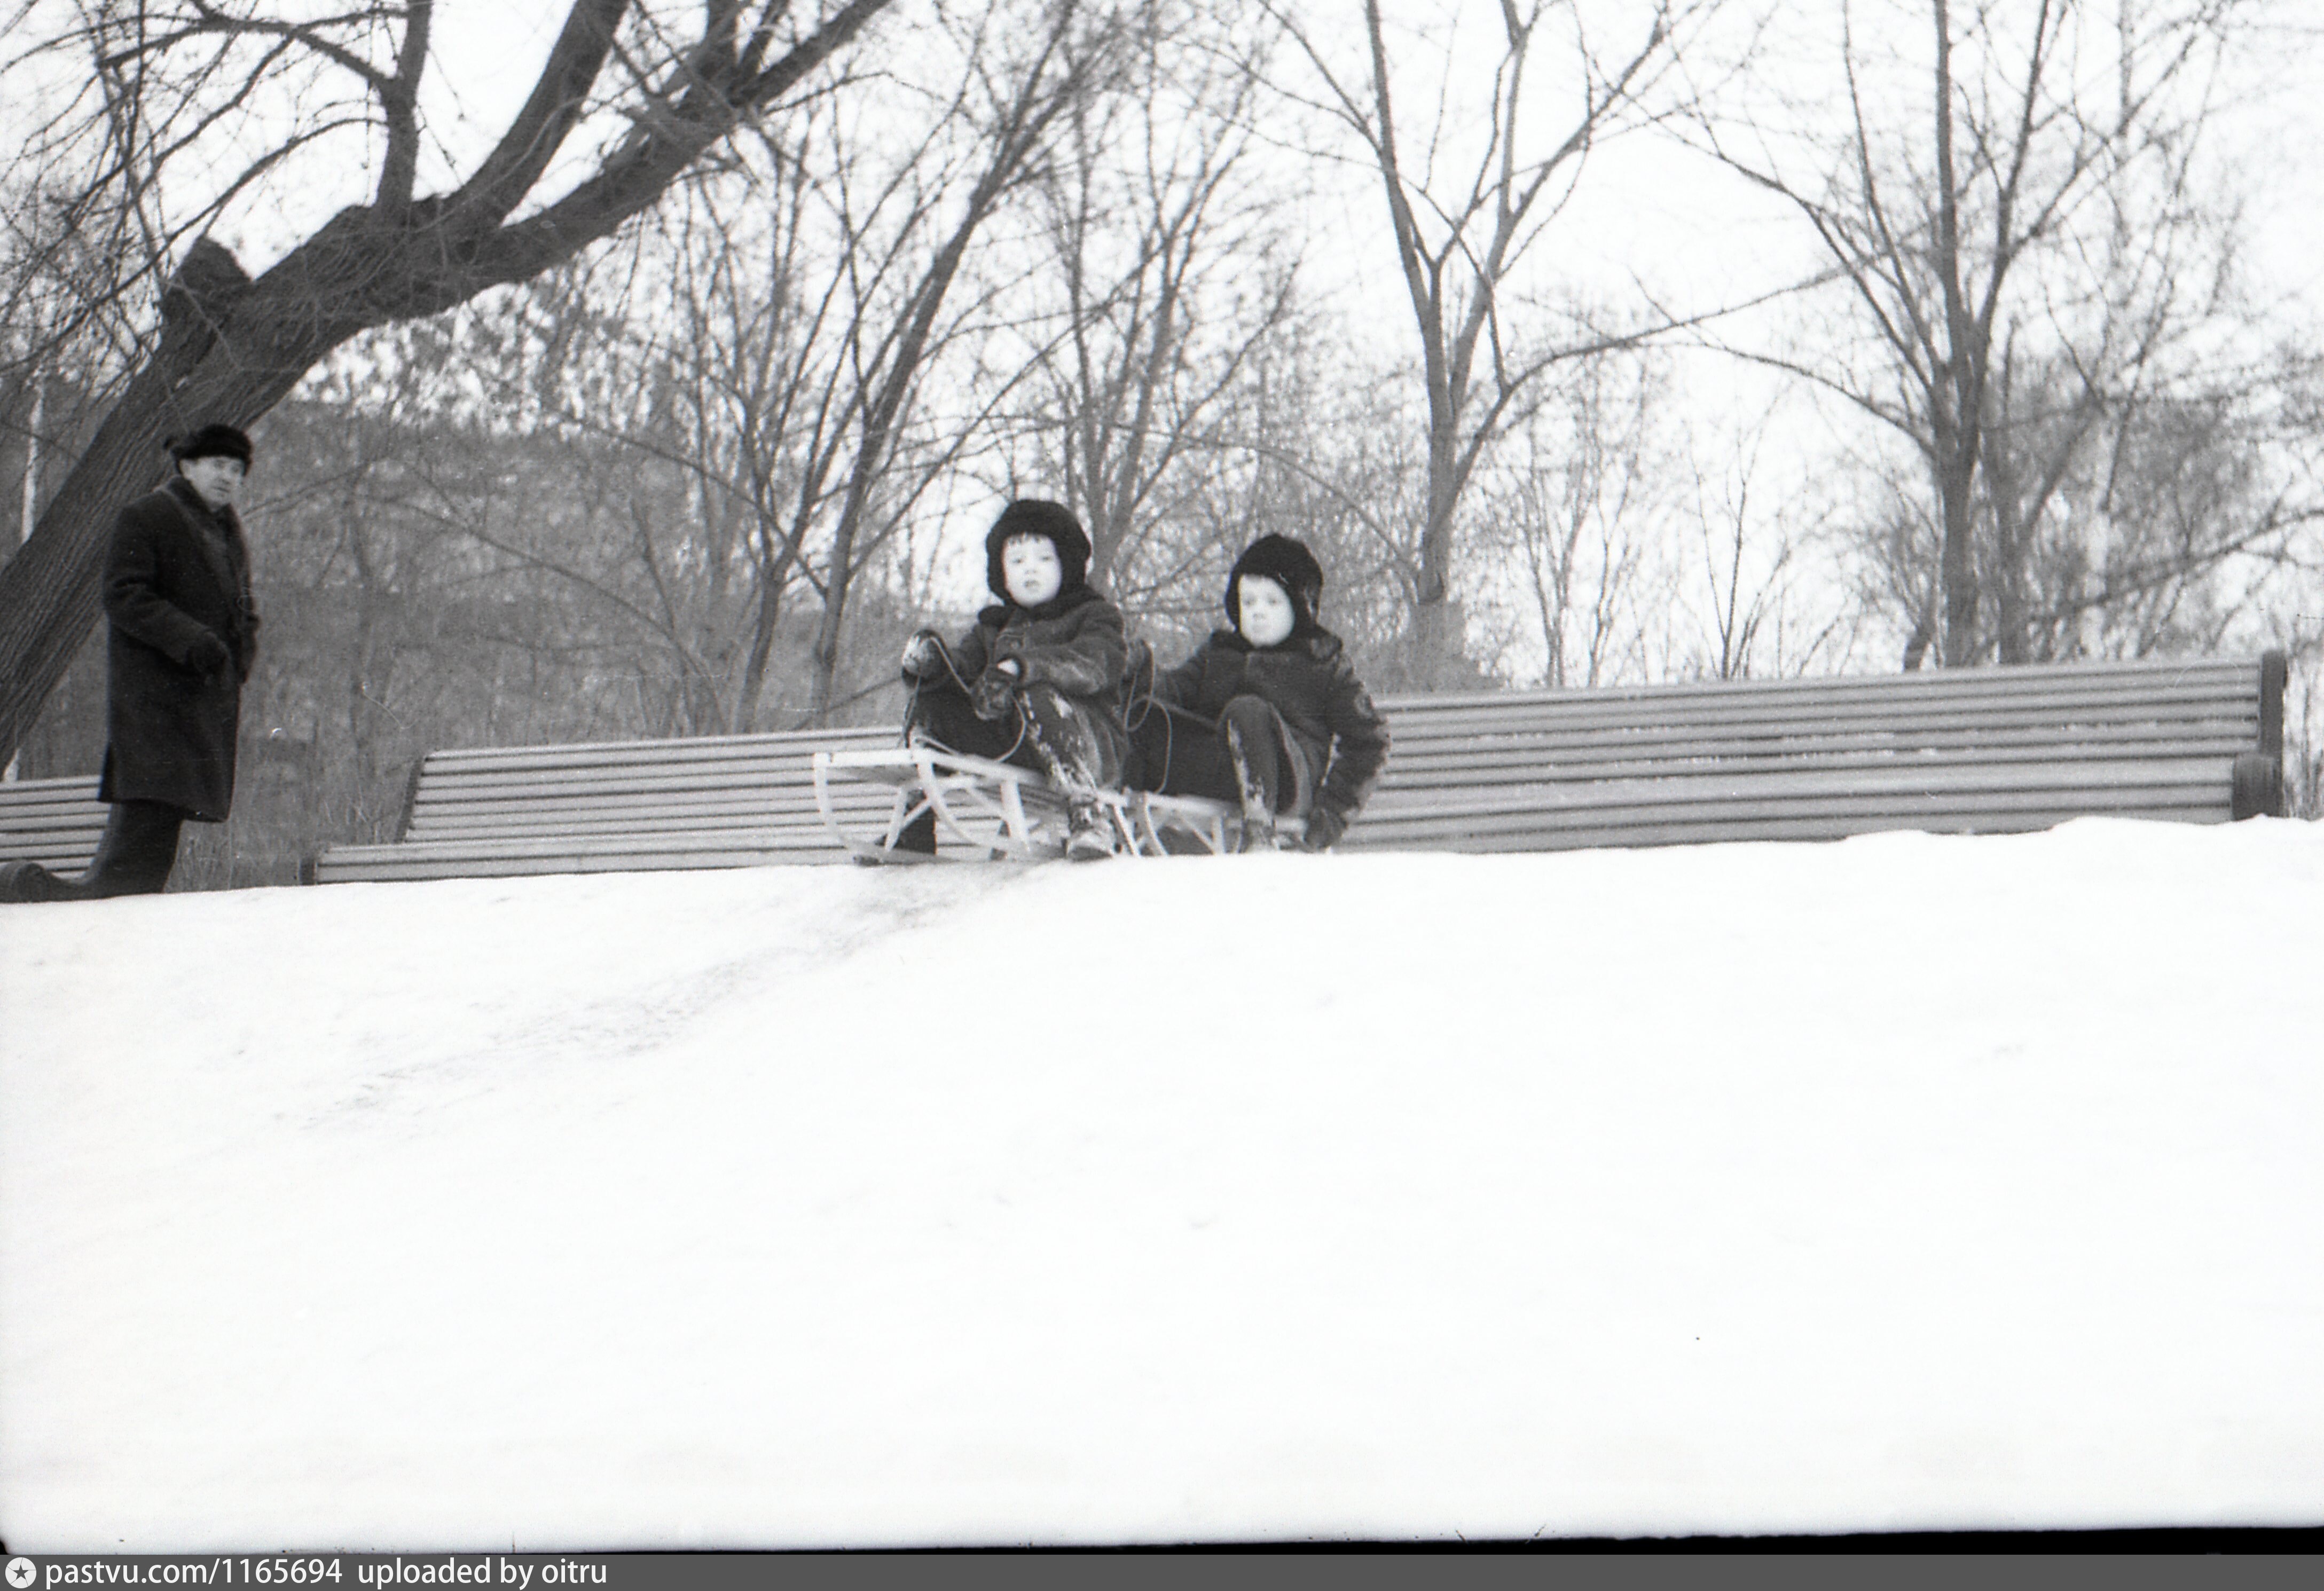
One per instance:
(1906, 1182)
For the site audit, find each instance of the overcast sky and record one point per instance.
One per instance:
(1644, 206)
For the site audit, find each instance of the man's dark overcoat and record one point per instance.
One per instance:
(176, 572)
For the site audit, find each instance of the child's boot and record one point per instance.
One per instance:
(919, 836)
(1258, 801)
(1089, 832)
(1258, 826)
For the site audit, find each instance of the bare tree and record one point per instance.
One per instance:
(1012, 98)
(2031, 210)
(686, 354)
(1334, 462)
(1172, 279)
(162, 77)
(1463, 227)
(1747, 556)
(1580, 507)
(715, 384)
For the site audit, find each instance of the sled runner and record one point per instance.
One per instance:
(1002, 813)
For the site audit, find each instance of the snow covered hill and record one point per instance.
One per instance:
(1906, 1183)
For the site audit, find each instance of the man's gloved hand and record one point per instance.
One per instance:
(207, 654)
(1324, 828)
(996, 689)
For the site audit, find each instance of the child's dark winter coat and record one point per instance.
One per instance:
(1323, 705)
(1066, 689)
(1072, 643)
(1270, 712)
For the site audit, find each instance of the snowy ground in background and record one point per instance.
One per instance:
(1906, 1182)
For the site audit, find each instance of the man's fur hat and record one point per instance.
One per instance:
(212, 441)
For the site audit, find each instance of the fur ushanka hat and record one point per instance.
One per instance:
(1290, 565)
(212, 441)
(1037, 516)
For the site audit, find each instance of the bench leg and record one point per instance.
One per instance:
(2258, 786)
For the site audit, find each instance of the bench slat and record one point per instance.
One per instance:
(55, 822)
(1836, 718)
(1781, 739)
(642, 801)
(1938, 786)
(470, 822)
(68, 854)
(739, 840)
(641, 822)
(50, 823)
(1489, 771)
(591, 785)
(1728, 828)
(524, 857)
(2236, 675)
(48, 809)
(1895, 805)
(794, 744)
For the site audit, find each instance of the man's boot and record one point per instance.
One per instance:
(139, 849)
(23, 883)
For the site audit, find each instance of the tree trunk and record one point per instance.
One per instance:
(1917, 645)
(2012, 643)
(880, 418)
(1037, 104)
(1956, 476)
(1435, 649)
(1959, 396)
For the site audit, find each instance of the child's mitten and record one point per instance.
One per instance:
(995, 695)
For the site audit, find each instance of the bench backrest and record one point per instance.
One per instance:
(1985, 749)
(707, 801)
(736, 780)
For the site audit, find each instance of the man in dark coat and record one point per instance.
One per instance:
(182, 634)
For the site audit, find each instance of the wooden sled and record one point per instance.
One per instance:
(998, 811)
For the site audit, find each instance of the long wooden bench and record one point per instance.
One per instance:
(56, 822)
(1964, 751)
(1978, 751)
(617, 806)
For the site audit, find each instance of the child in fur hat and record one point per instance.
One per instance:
(1267, 714)
(1037, 681)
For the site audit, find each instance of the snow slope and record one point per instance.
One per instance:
(1906, 1183)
